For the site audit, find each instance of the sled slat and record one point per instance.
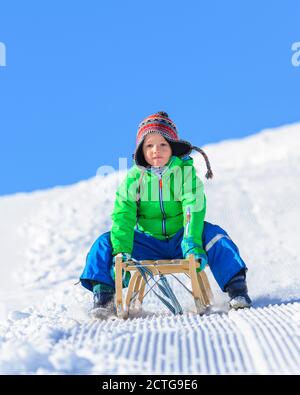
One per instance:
(131, 288)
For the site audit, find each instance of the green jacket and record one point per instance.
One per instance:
(164, 207)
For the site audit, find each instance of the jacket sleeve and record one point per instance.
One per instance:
(194, 209)
(124, 216)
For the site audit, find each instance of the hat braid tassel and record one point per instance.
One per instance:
(209, 173)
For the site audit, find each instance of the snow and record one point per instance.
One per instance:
(45, 236)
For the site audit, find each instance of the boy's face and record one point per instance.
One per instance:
(156, 149)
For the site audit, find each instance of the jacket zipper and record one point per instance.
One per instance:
(162, 208)
(161, 203)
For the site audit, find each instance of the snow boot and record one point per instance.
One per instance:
(238, 292)
(103, 295)
(104, 306)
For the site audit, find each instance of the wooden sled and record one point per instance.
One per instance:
(201, 290)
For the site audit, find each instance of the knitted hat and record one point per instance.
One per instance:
(162, 124)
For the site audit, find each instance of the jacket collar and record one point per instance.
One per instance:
(159, 171)
(173, 161)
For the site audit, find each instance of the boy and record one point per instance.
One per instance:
(159, 213)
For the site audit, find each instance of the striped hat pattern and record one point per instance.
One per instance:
(162, 124)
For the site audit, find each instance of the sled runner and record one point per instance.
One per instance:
(143, 271)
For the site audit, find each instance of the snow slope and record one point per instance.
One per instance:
(46, 235)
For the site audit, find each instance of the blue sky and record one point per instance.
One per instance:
(80, 76)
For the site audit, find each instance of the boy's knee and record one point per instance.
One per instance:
(212, 233)
(213, 230)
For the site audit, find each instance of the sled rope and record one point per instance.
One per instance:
(172, 304)
(184, 286)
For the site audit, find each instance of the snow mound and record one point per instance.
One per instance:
(46, 235)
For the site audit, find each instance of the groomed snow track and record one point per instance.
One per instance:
(255, 341)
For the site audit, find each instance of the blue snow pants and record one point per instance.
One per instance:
(223, 255)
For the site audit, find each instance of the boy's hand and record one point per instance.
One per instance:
(202, 259)
(125, 257)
